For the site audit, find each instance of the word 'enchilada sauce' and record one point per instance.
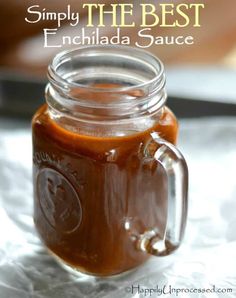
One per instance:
(95, 192)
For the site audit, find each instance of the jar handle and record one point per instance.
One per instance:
(176, 169)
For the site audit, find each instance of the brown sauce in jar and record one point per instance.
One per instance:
(93, 193)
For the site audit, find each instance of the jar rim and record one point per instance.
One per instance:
(64, 56)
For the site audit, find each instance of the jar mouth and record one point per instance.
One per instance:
(106, 82)
(65, 65)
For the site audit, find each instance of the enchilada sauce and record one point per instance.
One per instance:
(94, 193)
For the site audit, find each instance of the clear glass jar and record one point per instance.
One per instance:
(110, 187)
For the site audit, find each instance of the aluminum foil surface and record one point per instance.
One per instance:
(204, 266)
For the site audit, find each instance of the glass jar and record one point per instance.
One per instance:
(110, 187)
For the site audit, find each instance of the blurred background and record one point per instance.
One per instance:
(22, 43)
(203, 71)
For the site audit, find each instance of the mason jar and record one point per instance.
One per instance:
(110, 186)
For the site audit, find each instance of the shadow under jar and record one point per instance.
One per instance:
(110, 187)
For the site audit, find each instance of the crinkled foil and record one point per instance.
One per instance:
(206, 259)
